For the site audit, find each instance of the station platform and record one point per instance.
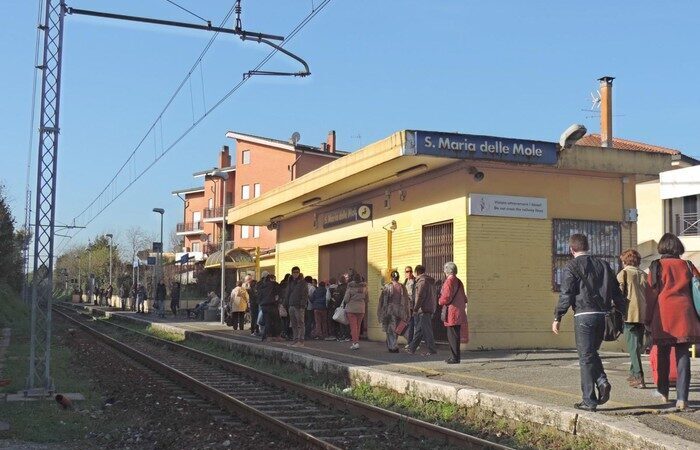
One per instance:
(537, 386)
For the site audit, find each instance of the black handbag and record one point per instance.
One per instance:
(614, 320)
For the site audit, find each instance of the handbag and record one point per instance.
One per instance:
(614, 320)
(401, 327)
(340, 315)
(282, 310)
(444, 309)
(694, 289)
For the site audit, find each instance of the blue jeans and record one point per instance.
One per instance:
(682, 368)
(411, 327)
(589, 336)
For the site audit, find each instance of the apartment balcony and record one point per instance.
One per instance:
(214, 214)
(188, 228)
(688, 224)
(215, 246)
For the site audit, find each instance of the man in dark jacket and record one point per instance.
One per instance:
(297, 299)
(267, 302)
(160, 298)
(423, 310)
(175, 298)
(588, 286)
(249, 285)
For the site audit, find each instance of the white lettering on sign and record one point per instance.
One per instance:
(507, 206)
(493, 147)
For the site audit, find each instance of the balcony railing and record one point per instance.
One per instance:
(214, 247)
(214, 213)
(688, 224)
(187, 227)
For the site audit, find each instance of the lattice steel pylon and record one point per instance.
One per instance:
(39, 381)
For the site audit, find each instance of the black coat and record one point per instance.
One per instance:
(266, 291)
(575, 294)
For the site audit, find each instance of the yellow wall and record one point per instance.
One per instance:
(651, 211)
(506, 263)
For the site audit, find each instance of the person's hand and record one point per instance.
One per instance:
(555, 327)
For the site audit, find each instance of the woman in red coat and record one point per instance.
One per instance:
(453, 297)
(671, 316)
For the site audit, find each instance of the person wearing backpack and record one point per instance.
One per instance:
(633, 284)
(587, 286)
(671, 316)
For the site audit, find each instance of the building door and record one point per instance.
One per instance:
(437, 250)
(337, 259)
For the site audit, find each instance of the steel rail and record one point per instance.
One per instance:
(414, 427)
(225, 401)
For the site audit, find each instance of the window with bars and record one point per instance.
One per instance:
(437, 248)
(604, 240)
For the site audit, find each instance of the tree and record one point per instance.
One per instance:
(11, 243)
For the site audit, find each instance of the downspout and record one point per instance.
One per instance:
(292, 167)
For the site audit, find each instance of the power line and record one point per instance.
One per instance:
(188, 11)
(195, 123)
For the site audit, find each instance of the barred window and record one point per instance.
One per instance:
(604, 240)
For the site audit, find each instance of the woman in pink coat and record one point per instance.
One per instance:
(453, 297)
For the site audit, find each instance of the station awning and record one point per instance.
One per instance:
(236, 258)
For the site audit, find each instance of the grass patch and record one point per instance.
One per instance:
(166, 335)
(40, 421)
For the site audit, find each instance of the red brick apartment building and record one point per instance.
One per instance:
(258, 164)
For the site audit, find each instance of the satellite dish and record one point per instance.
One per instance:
(571, 135)
(295, 138)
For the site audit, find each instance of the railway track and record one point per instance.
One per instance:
(306, 415)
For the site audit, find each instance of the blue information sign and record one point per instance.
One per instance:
(469, 146)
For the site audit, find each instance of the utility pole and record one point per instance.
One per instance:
(39, 382)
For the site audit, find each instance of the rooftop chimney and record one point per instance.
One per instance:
(330, 141)
(606, 128)
(224, 157)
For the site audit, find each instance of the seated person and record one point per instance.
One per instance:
(212, 302)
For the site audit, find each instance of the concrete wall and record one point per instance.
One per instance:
(650, 223)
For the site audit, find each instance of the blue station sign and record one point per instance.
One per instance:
(469, 146)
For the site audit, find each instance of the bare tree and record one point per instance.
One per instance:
(176, 242)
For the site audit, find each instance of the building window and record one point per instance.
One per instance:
(256, 190)
(245, 157)
(229, 199)
(604, 240)
(196, 246)
(245, 231)
(256, 231)
(245, 191)
(211, 203)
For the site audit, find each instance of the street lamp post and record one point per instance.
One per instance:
(159, 267)
(91, 283)
(80, 286)
(110, 236)
(223, 176)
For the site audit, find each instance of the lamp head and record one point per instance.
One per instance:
(109, 235)
(571, 135)
(159, 210)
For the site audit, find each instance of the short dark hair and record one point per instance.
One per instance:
(308, 279)
(669, 244)
(394, 275)
(420, 269)
(357, 278)
(321, 284)
(296, 268)
(578, 242)
(631, 257)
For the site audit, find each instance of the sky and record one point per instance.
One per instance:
(502, 68)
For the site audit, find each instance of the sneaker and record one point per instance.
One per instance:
(584, 407)
(329, 339)
(300, 344)
(638, 383)
(660, 396)
(408, 350)
(682, 405)
(355, 346)
(346, 339)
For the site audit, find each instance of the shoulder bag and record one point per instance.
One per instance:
(614, 320)
(282, 310)
(340, 315)
(694, 289)
(443, 310)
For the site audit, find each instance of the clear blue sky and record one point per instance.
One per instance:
(505, 68)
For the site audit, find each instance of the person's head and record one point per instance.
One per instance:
(332, 281)
(296, 272)
(394, 275)
(264, 274)
(578, 243)
(631, 257)
(669, 244)
(248, 278)
(239, 283)
(314, 282)
(408, 271)
(420, 270)
(450, 268)
(322, 284)
(273, 277)
(308, 279)
(357, 278)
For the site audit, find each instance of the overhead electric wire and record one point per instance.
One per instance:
(287, 39)
(188, 11)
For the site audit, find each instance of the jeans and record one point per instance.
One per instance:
(238, 320)
(254, 318)
(411, 327)
(355, 322)
(321, 322)
(296, 317)
(271, 319)
(589, 336)
(309, 323)
(634, 336)
(424, 331)
(682, 367)
(174, 306)
(453, 339)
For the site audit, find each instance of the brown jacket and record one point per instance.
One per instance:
(425, 294)
(633, 284)
(356, 298)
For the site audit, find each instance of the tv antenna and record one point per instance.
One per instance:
(295, 138)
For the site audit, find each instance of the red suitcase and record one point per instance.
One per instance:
(673, 373)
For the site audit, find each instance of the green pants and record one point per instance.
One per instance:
(634, 335)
